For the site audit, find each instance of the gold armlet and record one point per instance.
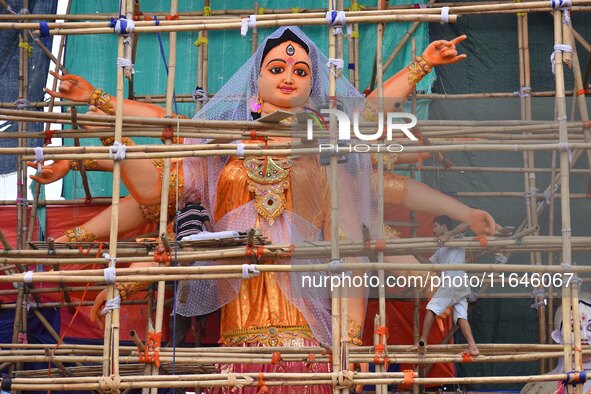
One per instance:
(79, 234)
(102, 100)
(355, 332)
(417, 70)
(127, 289)
(88, 165)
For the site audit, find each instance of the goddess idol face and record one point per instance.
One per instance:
(584, 323)
(285, 80)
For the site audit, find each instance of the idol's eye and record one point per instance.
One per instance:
(277, 70)
(300, 72)
(589, 326)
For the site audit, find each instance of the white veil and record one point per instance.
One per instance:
(355, 197)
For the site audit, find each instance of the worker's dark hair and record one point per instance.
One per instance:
(444, 220)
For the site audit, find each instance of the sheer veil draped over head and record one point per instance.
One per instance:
(355, 196)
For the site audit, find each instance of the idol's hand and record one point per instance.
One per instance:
(442, 52)
(51, 172)
(72, 87)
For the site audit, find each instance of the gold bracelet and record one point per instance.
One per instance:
(355, 332)
(86, 164)
(417, 70)
(102, 100)
(108, 141)
(79, 234)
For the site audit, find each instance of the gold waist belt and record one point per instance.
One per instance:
(266, 336)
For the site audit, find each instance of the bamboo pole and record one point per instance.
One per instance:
(164, 203)
(111, 341)
(334, 209)
(380, 319)
(567, 300)
(195, 25)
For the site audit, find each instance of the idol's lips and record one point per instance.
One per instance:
(286, 89)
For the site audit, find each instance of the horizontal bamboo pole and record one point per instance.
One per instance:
(236, 24)
(317, 249)
(509, 147)
(231, 272)
(219, 13)
(180, 381)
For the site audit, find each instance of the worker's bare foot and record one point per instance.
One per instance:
(473, 350)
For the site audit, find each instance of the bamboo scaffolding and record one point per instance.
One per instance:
(524, 144)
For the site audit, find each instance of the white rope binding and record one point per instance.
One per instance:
(247, 23)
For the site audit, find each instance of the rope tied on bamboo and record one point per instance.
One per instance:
(575, 377)
(248, 269)
(44, 33)
(122, 26)
(559, 48)
(113, 303)
(334, 265)
(501, 258)
(109, 384)
(125, 63)
(541, 294)
(408, 376)
(117, 151)
(338, 64)
(240, 148)
(562, 5)
(151, 352)
(111, 260)
(524, 91)
(247, 23)
(575, 280)
(39, 158)
(28, 276)
(337, 20)
(566, 267)
(110, 275)
(532, 192)
(200, 95)
(21, 103)
(344, 379)
(444, 15)
(565, 147)
(233, 381)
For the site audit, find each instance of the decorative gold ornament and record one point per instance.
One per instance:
(102, 100)
(80, 234)
(417, 70)
(268, 179)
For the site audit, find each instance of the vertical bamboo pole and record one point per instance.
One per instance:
(582, 106)
(551, 254)
(345, 293)
(565, 200)
(382, 388)
(255, 31)
(166, 175)
(47, 126)
(21, 168)
(21, 174)
(334, 207)
(111, 344)
(529, 162)
(202, 53)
